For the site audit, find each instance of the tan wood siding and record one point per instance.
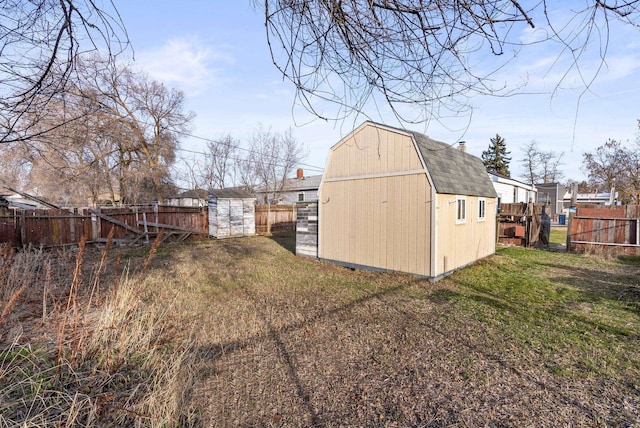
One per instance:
(370, 151)
(376, 208)
(378, 222)
(461, 244)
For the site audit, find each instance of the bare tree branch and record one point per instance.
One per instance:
(40, 44)
(431, 54)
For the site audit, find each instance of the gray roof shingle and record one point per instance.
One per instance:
(454, 171)
(231, 193)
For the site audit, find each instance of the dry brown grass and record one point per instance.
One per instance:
(243, 333)
(74, 353)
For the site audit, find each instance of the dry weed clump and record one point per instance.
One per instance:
(91, 353)
(17, 271)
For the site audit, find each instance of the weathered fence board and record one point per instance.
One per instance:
(54, 227)
(9, 227)
(606, 229)
(307, 229)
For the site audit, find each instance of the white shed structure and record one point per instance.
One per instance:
(232, 213)
(396, 200)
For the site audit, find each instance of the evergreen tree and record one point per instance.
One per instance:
(496, 158)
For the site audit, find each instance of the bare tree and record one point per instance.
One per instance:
(144, 119)
(615, 165)
(604, 165)
(41, 42)
(219, 165)
(70, 162)
(271, 159)
(114, 133)
(541, 166)
(424, 52)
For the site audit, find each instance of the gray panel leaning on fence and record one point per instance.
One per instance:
(307, 229)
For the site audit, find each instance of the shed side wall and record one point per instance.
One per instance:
(461, 244)
(375, 207)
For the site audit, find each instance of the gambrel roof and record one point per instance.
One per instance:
(453, 171)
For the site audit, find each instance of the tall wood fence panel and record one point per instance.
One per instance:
(130, 224)
(46, 227)
(9, 227)
(275, 218)
(612, 230)
(134, 219)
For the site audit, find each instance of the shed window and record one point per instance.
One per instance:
(461, 211)
(301, 197)
(481, 209)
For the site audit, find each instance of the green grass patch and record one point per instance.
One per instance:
(576, 313)
(558, 235)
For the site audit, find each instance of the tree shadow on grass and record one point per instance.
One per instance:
(598, 285)
(286, 240)
(629, 260)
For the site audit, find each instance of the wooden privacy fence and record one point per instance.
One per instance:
(614, 230)
(275, 218)
(130, 225)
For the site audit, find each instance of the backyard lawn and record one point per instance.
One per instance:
(243, 333)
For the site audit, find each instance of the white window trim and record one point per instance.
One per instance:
(464, 219)
(482, 202)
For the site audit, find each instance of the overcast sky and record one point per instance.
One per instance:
(216, 52)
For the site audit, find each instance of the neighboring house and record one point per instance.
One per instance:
(595, 198)
(231, 213)
(550, 195)
(299, 189)
(512, 191)
(190, 198)
(392, 199)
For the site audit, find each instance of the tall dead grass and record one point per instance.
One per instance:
(95, 352)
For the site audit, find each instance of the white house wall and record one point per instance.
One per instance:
(506, 193)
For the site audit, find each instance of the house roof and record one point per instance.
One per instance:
(193, 194)
(508, 180)
(306, 183)
(297, 184)
(231, 193)
(452, 170)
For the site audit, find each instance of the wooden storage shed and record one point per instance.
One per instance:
(232, 213)
(396, 200)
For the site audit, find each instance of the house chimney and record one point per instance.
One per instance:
(462, 146)
(300, 174)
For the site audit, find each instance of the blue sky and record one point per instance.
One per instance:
(216, 52)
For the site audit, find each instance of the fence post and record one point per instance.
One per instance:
(72, 225)
(574, 200)
(268, 218)
(23, 227)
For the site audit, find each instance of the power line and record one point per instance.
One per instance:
(186, 134)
